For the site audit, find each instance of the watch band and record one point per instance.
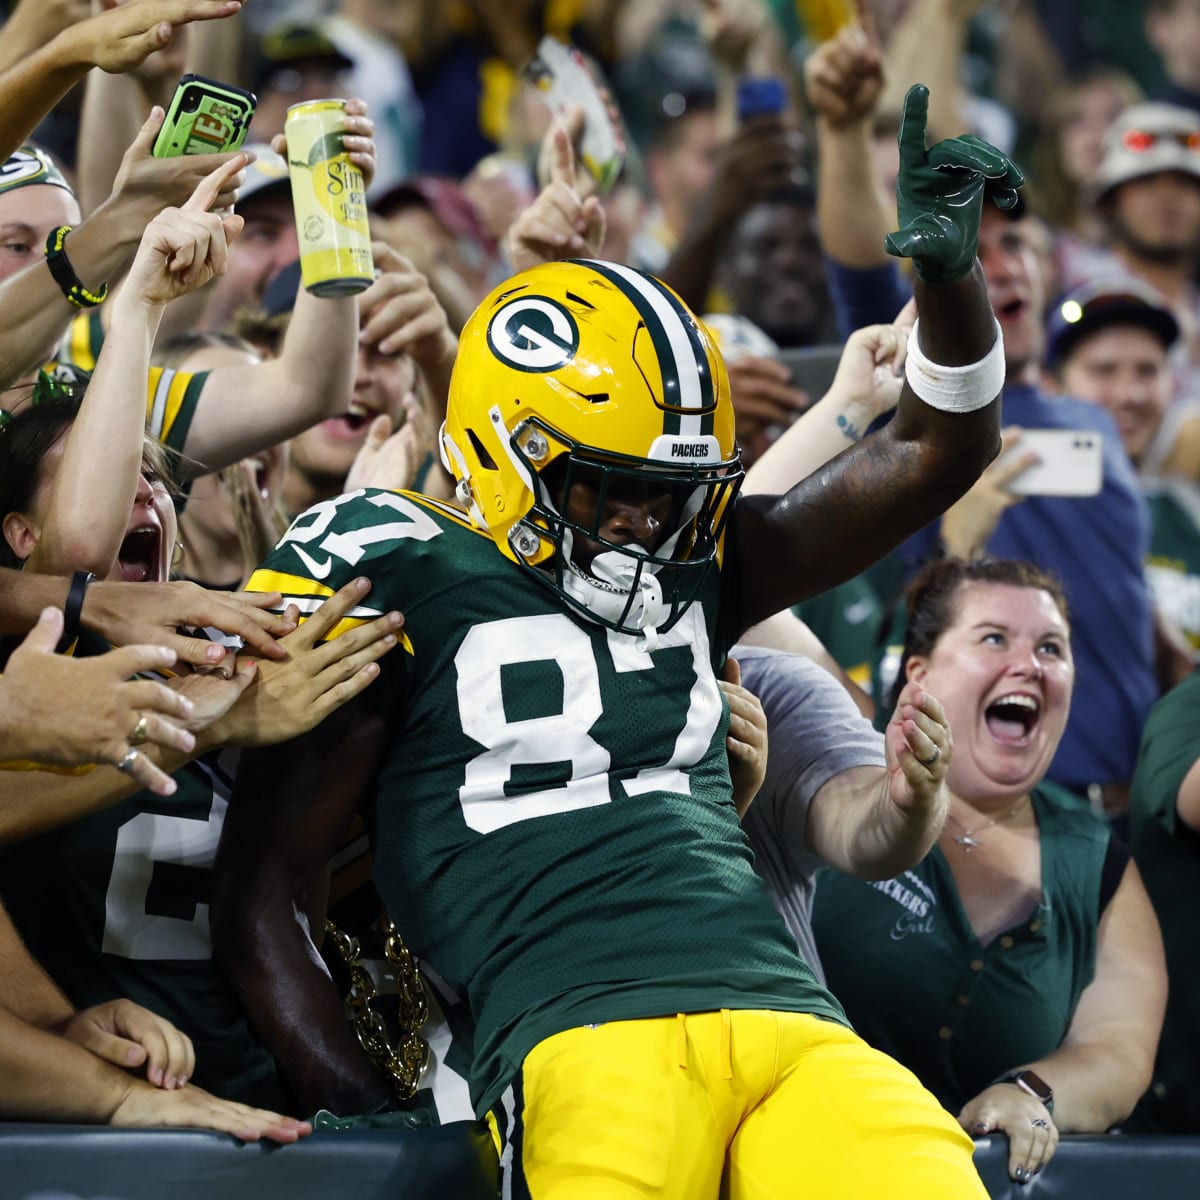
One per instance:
(1031, 1083)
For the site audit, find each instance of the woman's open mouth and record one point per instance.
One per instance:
(139, 556)
(1012, 719)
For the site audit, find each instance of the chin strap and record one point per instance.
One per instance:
(606, 590)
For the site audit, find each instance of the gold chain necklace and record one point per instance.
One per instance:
(967, 839)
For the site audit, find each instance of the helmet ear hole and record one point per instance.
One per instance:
(481, 452)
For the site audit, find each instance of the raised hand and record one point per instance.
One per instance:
(183, 248)
(401, 314)
(391, 460)
(358, 140)
(918, 746)
(940, 193)
(970, 521)
(560, 223)
(124, 37)
(843, 77)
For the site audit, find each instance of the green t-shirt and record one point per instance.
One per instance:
(847, 619)
(553, 825)
(917, 983)
(1173, 566)
(1167, 853)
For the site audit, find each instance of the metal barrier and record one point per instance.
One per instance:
(457, 1162)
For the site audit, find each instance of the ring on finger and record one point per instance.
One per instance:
(928, 762)
(1039, 1122)
(138, 736)
(127, 763)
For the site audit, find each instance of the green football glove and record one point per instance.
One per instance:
(940, 193)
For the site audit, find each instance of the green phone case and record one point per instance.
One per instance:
(205, 117)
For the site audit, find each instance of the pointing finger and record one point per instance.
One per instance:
(912, 127)
(562, 168)
(207, 190)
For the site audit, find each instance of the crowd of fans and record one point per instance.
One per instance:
(180, 428)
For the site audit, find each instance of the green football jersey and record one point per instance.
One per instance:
(553, 825)
(116, 904)
(1173, 566)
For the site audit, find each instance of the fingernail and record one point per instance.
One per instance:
(390, 640)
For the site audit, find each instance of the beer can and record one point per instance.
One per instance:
(330, 201)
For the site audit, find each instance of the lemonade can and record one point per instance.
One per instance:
(330, 201)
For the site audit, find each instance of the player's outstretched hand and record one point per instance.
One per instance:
(940, 193)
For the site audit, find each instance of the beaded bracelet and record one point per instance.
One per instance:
(64, 274)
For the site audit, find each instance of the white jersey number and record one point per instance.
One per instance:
(350, 545)
(565, 736)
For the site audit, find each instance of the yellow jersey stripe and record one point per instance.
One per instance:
(308, 595)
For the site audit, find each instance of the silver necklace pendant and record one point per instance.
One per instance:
(966, 841)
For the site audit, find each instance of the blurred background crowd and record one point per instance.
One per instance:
(757, 172)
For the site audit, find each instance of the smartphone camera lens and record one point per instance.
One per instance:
(191, 100)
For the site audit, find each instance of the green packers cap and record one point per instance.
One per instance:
(28, 166)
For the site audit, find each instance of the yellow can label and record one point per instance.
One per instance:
(329, 197)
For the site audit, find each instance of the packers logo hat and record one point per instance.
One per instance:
(28, 166)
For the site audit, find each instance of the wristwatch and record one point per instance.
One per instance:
(1031, 1082)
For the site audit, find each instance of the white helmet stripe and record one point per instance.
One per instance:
(679, 337)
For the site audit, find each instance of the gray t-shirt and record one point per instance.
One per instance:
(815, 732)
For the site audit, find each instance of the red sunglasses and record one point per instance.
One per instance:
(1141, 140)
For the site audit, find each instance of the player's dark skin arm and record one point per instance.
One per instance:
(291, 806)
(867, 500)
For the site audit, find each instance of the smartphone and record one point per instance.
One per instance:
(760, 97)
(561, 75)
(205, 117)
(1071, 463)
(812, 367)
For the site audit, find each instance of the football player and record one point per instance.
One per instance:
(542, 766)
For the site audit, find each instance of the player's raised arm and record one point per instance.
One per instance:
(862, 503)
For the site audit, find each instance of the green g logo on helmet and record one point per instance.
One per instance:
(533, 333)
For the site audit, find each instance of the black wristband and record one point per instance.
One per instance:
(64, 274)
(73, 609)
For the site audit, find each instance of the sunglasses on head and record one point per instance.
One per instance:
(1141, 140)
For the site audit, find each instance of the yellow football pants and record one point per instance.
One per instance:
(745, 1105)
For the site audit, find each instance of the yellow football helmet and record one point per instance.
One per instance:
(593, 369)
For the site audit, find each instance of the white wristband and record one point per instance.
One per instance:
(955, 389)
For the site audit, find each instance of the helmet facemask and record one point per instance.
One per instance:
(625, 586)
